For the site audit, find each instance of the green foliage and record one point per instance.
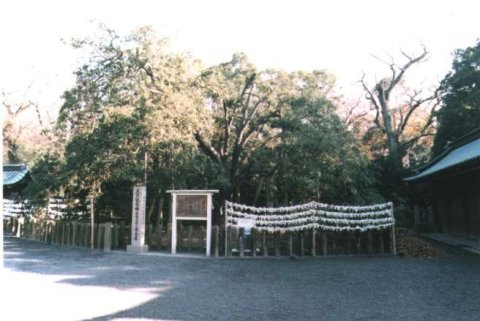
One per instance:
(261, 137)
(47, 177)
(132, 101)
(316, 157)
(460, 90)
(276, 138)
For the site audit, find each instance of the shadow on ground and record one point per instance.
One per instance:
(94, 285)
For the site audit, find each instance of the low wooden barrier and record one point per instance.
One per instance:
(308, 243)
(191, 239)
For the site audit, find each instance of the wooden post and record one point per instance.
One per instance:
(78, 234)
(158, 235)
(121, 235)
(99, 235)
(302, 244)
(216, 232)
(148, 234)
(241, 239)
(290, 244)
(393, 245)
(314, 237)
(226, 228)
(164, 240)
(19, 228)
(209, 225)
(416, 216)
(334, 242)
(115, 237)
(254, 242)
(48, 238)
(107, 243)
(190, 237)
(324, 243)
(62, 237)
(381, 240)
(92, 223)
(34, 229)
(45, 230)
(54, 231)
(62, 232)
(174, 224)
(74, 234)
(264, 243)
(359, 241)
(228, 244)
(277, 243)
(89, 235)
(169, 234)
(38, 231)
(68, 232)
(85, 234)
(370, 242)
(348, 241)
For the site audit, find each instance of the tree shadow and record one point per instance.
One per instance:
(123, 286)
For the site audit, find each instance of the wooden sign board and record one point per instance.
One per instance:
(192, 206)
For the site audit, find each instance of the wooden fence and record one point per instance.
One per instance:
(309, 243)
(192, 239)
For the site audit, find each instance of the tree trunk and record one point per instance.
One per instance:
(389, 131)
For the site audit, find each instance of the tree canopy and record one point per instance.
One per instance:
(141, 113)
(460, 89)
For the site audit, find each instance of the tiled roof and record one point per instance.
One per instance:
(453, 157)
(13, 174)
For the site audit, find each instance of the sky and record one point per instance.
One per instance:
(341, 36)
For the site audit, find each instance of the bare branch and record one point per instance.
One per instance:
(353, 114)
(371, 97)
(428, 124)
(414, 105)
(411, 61)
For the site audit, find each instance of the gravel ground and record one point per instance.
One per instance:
(43, 282)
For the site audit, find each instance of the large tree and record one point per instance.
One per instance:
(241, 112)
(460, 92)
(274, 136)
(130, 115)
(402, 116)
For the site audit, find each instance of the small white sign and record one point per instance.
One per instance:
(246, 224)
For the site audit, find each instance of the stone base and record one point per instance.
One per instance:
(137, 248)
